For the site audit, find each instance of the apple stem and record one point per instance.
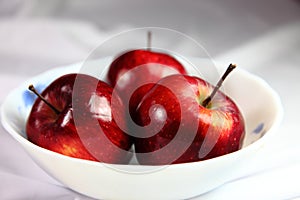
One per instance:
(32, 89)
(149, 40)
(219, 84)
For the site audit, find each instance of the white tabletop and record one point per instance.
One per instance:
(262, 37)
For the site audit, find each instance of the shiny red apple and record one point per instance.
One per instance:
(186, 119)
(135, 68)
(137, 58)
(73, 116)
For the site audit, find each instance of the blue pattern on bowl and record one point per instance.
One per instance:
(258, 128)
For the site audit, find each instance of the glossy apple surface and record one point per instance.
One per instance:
(84, 127)
(135, 58)
(178, 129)
(135, 68)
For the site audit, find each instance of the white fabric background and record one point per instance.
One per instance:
(260, 36)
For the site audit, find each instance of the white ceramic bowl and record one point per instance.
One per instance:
(259, 104)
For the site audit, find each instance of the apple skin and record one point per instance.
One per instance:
(135, 58)
(85, 127)
(136, 68)
(173, 108)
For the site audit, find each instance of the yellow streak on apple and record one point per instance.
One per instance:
(69, 150)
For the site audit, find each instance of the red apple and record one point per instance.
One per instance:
(136, 68)
(184, 123)
(73, 116)
(136, 58)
